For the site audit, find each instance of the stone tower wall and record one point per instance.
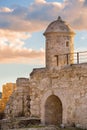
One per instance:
(59, 44)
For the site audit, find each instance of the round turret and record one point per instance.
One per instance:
(59, 44)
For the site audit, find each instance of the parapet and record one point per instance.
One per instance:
(22, 82)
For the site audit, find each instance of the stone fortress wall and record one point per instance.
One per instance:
(69, 85)
(56, 94)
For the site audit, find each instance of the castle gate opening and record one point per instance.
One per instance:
(53, 110)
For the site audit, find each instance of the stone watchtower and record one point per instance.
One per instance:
(59, 44)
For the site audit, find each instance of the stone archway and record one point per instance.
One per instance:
(53, 110)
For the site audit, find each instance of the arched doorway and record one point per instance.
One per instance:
(53, 110)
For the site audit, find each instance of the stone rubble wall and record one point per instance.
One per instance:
(16, 123)
(19, 102)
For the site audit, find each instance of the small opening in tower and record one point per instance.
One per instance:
(67, 43)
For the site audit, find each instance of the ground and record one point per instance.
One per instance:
(48, 128)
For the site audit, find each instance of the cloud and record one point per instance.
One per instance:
(12, 38)
(5, 9)
(85, 2)
(37, 15)
(30, 19)
(75, 13)
(40, 1)
(12, 48)
(22, 55)
(16, 21)
(72, 11)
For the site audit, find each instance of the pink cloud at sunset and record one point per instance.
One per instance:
(18, 23)
(12, 48)
(21, 55)
(40, 13)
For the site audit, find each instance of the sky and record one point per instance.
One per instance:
(22, 24)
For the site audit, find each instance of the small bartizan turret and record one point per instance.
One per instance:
(59, 44)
